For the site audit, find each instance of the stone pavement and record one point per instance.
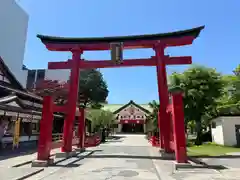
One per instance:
(167, 171)
(126, 157)
(9, 172)
(22, 159)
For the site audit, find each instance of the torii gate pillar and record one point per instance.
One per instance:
(163, 118)
(72, 101)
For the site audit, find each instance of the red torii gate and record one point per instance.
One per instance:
(158, 42)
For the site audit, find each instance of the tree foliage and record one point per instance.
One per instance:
(236, 84)
(208, 94)
(100, 119)
(229, 102)
(152, 118)
(201, 86)
(93, 87)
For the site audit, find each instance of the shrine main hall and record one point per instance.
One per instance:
(130, 117)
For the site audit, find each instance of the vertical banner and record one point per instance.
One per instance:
(16, 133)
(116, 52)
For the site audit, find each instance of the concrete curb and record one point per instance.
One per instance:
(27, 162)
(163, 175)
(31, 174)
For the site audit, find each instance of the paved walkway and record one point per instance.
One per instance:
(125, 157)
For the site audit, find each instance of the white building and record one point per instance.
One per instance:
(13, 33)
(226, 130)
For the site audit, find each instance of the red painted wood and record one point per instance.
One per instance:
(126, 63)
(126, 45)
(182, 41)
(169, 108)
(45, 136)
(92, 141)
(59, 108)
(163, 96)
(179, 128)
(57, 144)
(98, 46)
(81, 127)
(71, 104)
(111, 64)
(161, 128)
(60, 65)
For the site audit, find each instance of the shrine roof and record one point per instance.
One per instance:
(116, 107)
(85, 40)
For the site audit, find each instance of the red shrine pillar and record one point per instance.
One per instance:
(45, 136)
(163, 118)
(178, 127)
(161, 130)
(81, 128)
(72, 101)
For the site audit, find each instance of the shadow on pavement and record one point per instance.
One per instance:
(72, 163)
(130, 157)
(111, 141)
(22, 150)
(205, 165)
(115, 137)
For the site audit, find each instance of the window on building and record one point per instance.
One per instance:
(40, 75)
(35, 127)
(30, 79)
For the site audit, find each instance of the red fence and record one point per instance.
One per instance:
(155, 141)
(90, 141)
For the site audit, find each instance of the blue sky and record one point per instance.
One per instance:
(218, 45)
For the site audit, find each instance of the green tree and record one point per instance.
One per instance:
(229, 103)
(152, 118)
(237, 70)
(201, 86)
(93, 88)
(236, 84)
(101, 119)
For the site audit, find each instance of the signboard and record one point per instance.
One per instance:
(117, 52)
(16, 133)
